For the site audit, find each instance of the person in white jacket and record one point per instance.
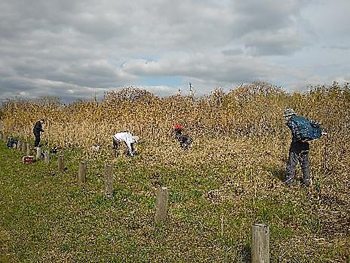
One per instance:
(127, 138)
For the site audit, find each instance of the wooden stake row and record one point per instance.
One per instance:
(260, 232)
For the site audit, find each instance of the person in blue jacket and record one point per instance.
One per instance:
(298, 152)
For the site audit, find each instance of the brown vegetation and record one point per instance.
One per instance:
(239, 138)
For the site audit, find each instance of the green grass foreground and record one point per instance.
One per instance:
(47, 217)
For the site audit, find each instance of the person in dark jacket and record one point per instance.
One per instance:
(38, 128)
(184, 140)
(298, 152)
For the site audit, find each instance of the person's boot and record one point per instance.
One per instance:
(306, 182)
(289, 181)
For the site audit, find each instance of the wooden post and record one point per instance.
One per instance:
(38, 153)
(162, 204)
(24, 146)
(46, 156)
(108, 180)
(82, 172)
(19, 145)
(260, 243)
(28, 149)
(60, 163)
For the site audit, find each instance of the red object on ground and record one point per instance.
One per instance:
(28, 159)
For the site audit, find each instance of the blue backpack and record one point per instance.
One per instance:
(308, 130)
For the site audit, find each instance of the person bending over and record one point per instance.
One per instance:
(128, 139)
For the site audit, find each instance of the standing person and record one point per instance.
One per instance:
(127, 138)
(38, 128)
(303, 131)
(298, 151)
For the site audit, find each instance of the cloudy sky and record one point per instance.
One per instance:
(78, 49)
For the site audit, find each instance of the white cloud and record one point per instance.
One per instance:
(87, 46)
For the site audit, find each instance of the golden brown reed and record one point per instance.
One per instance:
(239, 135)
(249, 111)
(219, 123)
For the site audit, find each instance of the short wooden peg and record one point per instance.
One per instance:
(38, 153)
(60, 163)
(82, 172)
(46, 156)
(108, 180)
(162, 204)
(260, 243)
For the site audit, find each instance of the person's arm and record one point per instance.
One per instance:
(294, 129)
(128, 143)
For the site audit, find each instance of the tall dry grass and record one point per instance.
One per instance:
(219, 122)
(239, 151)
(248, 111)
(241, 112)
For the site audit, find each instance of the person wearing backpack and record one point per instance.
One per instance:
(303, 131)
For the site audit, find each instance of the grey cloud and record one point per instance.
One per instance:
(264, 15)
(344, 47)
(222, 68)
(274, 43)
(75, 48)
(36, 88)
(97, 74)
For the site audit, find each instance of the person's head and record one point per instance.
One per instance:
(288, 113)
(177, 128)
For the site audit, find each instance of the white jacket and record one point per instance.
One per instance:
(127, 138)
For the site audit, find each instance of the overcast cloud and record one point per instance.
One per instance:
(82, 48)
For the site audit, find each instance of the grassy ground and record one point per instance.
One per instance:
(216, 194)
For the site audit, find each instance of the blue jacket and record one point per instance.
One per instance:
(296, 135)
(297, 144)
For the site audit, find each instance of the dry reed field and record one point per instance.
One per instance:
(230, 178)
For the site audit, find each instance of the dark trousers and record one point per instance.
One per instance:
(298, 153)
(37, 139)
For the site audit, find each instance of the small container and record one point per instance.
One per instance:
(28, 159)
